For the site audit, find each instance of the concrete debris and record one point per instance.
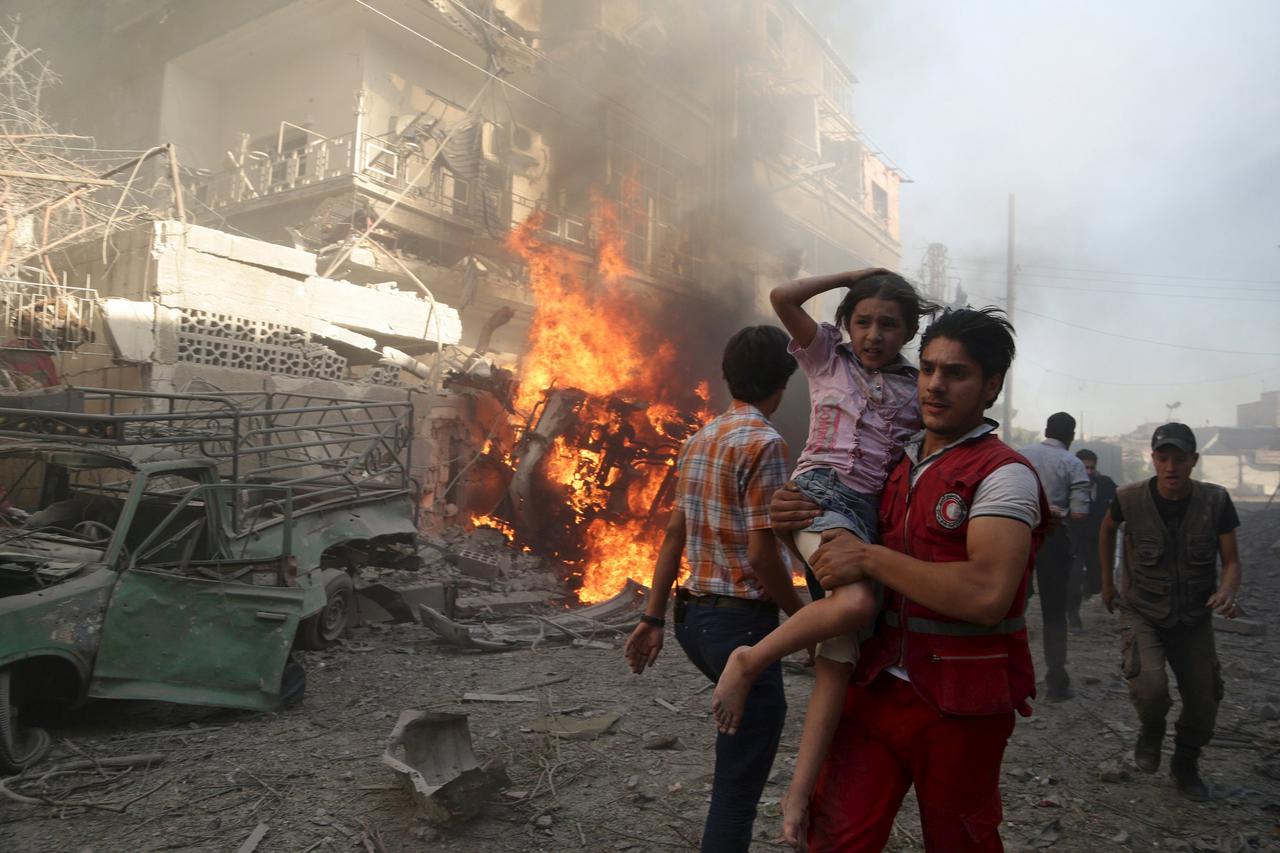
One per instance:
(1248, 627)
(663, 742)
(611, 619)
(498, 697)
(255, 838)
(503, 602)
(575, 728)
(1047, 836)
(458, 634)
(479, 564)
(432, 753)
(1113, 771)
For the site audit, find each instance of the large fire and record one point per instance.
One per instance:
(589, 333)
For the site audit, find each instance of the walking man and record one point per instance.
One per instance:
(935, 689)
(1066, 485)
(738, 579)
(1176, 529)
(1088, 571)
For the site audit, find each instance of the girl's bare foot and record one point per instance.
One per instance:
(730, 696)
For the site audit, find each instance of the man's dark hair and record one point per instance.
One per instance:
(985, 333)
(756, 363)
(889, 286)
(1087, 456)
(1060, 426)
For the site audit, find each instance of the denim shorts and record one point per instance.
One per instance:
(841, 506)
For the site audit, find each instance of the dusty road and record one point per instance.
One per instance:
(312, 774)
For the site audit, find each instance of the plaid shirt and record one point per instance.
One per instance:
(728, 473)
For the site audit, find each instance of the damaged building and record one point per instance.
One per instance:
(432, 174)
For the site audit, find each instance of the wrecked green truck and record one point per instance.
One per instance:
(178, 547)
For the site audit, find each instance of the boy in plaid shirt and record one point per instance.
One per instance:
(738, 578)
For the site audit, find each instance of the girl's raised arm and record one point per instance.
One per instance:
(788, 300)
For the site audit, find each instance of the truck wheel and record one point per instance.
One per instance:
(20, 746)
(324, 628)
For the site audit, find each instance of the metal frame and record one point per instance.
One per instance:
(326, 449)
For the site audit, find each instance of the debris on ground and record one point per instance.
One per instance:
(226, 772)
(432, 753)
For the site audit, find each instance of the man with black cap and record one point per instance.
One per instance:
(1175, 531)
(1066, 485)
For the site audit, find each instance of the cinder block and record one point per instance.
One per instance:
(478, 564)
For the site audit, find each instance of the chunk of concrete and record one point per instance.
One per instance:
(478, 564)
(509, 602)
(575, 728)
(432, 754)
(1248, 627)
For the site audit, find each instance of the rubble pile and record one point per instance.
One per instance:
(475, 591)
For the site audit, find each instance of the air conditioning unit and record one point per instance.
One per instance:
(526, 151)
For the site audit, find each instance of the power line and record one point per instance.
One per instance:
(1027, 268)
(458, 56)
(1060, 289)
(1118, 335)
(1155, 274)
(1217, 381)
(1144, 340)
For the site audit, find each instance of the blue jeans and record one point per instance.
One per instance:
(708, 635)
(841, 506)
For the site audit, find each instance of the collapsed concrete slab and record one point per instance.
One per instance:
(183, 293)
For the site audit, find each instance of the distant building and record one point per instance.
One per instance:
(1244, 461)
(1263, 412)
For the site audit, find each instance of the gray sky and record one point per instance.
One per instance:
(1139, 137)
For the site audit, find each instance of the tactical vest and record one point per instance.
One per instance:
(1171, 574)
(957, 667)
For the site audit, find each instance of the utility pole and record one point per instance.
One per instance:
(1007, 426)
(934, 272)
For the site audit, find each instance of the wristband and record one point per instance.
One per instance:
(655, 621)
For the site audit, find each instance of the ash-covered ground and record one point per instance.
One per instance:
(312, 773)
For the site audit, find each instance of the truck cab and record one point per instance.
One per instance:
(128, 580)
(177, 547)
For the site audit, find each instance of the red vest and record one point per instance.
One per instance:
(957, 667)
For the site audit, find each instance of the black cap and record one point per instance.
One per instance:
(1174, 435)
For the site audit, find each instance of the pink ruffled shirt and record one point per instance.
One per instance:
(859, 419)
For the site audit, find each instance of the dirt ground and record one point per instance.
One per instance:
(312, 773)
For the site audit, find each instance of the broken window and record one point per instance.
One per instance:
(182, 534)
(655, 188)
(880, 200)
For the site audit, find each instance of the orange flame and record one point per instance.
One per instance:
(590, 333)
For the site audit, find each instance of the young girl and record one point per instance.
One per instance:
(864, 406)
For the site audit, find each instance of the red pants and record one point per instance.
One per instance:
(889, 739)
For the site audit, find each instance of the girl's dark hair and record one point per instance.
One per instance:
(986, 335)
(756, 363)
(891, 286)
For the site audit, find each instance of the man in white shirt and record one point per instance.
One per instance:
(1066, 485)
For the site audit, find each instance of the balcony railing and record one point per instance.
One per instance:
(264, 175)
(656, 248)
